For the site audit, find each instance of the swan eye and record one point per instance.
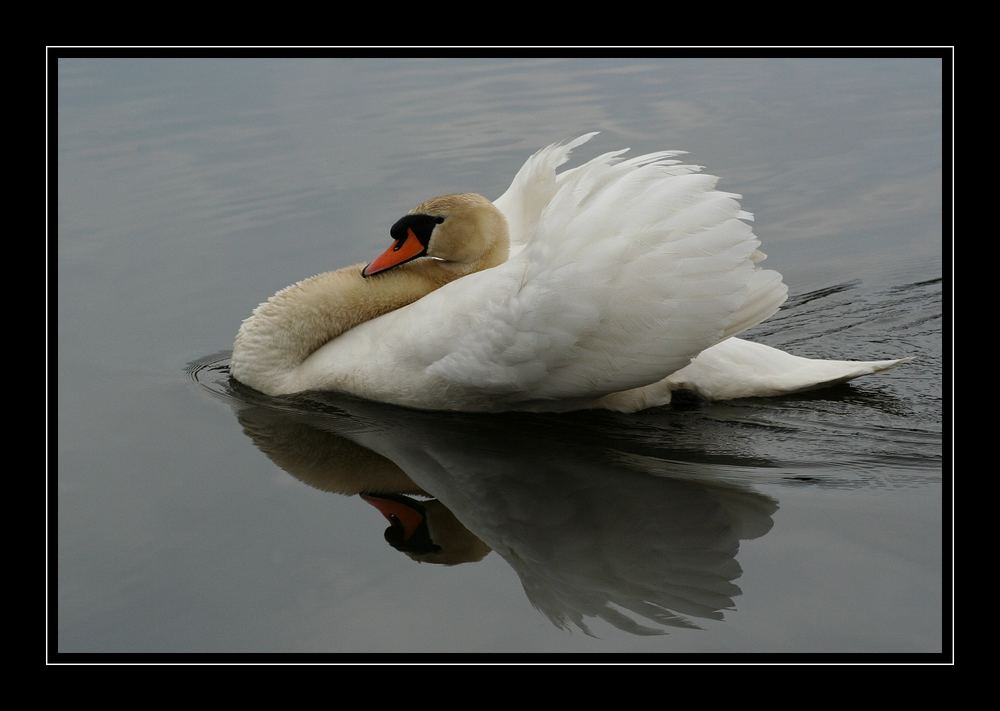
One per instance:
(439, 220)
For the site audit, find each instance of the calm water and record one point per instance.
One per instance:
(195, 515)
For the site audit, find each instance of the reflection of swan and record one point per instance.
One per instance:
(621, 272)
(305, 447)
(588, 530)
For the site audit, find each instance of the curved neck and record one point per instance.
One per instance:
(287, 328)
(284, 330)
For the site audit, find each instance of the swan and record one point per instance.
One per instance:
(610, 285)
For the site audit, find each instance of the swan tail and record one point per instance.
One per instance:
(736, 368)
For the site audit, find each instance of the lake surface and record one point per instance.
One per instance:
(195, 515)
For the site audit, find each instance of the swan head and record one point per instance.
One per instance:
(426, 531)
(460, 233)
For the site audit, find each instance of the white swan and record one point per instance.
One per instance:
(626, 281)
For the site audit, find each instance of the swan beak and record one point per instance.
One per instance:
(400, 515)
(399, 253)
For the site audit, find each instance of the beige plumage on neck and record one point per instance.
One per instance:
(468, 235)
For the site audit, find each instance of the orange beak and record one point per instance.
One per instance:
(397, 513)
(399, 253)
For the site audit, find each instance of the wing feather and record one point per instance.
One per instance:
(629, 269)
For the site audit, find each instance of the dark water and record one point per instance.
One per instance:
(195, 515)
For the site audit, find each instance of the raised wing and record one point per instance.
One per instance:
(533, 188)
(629, 270)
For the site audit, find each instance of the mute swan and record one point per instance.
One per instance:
(610, 285)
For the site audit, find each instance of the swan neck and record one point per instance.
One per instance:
(297, 321)
(294, 323)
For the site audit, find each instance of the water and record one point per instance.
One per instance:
(195, 515)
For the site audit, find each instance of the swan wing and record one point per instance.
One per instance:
(632, 269)
(533, 188)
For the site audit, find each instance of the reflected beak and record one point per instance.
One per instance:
(399, 253)
(400, 514)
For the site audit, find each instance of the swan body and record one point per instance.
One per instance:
(610, 285)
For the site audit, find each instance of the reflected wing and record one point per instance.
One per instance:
(667, 560)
